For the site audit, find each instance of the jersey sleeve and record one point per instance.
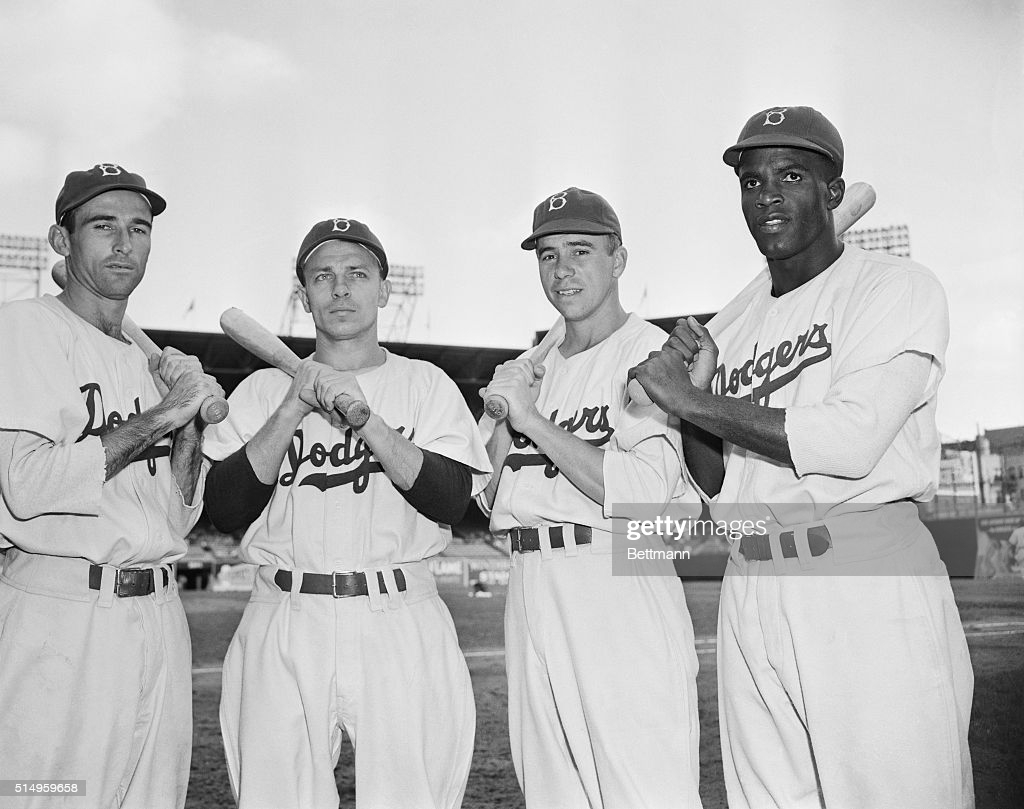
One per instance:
(444, 425)
(846, 434)
(903, 311)
(46, 403)
(46, 468)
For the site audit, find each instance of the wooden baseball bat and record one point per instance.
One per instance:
(213, 409)
(857, 201)
(271, 349)
(495, 405)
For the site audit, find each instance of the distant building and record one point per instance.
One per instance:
(989, 469)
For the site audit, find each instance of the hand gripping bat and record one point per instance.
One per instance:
(495, 405)
(857, 201)
(271, 349)
(213, 408)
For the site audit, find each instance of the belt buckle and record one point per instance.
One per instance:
(334, 582)
(128, 581)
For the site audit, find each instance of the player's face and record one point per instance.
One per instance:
(787, 195)
(343, 290)
(579, 275)
(109, 247)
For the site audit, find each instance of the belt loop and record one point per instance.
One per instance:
(296, 589)
(544, 540)
(775, 545)
(108, 577)
(569, 540)
(396, 599)
(803, 548)
(373, 590)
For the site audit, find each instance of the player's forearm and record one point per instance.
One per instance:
(125, 443)
(187, 460)
(498, 445)
(266, 450)
(753, 427)
(580, 462)
(398, 456)
(702, 453)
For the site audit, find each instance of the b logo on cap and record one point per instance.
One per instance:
(559, 199)
(109, 169)
(337, 225)
(768, 117)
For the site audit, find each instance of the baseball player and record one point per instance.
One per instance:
(601, 668)
(101, 479)
(345, 630)
(844, 677)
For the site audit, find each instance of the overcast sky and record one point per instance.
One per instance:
(441, 124)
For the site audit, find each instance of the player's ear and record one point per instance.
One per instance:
(304, 298)
(836, 192)
(619, 257)
(384, 293)
(60, 240)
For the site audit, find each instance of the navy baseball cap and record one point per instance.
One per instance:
(799, 127)
(573, 211)
(342, 230)
(82, 186)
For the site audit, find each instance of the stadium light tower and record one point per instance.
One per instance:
(23, 260)
(894, 239)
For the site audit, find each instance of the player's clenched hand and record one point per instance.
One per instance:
(170, 364)
(518, 383)
(665, 375)
(698, 348)
(318, 386)
(187, 393)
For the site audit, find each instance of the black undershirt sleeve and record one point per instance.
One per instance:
(234, 496)
(442, 489)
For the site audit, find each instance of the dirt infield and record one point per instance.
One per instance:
(992, 611)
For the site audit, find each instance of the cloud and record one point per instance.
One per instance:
(107, 76)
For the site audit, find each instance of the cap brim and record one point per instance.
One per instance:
(157, 204)
(334, 237)
(732, 154)
(565, 226)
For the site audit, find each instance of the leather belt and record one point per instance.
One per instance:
(128, 581)
(339, 585)
(757, 548)
(528, 539)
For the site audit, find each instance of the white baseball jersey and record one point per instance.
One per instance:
(93, 687)
(858, 650)
(795, 352)
(601, 668)
(64, 384)
(585, 394)
(385, 668)
(333, 507)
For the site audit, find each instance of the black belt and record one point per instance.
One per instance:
(528, 539)
(339, 585)
(757, 548)
(128, 581)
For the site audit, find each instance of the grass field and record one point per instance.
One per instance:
(992, 612)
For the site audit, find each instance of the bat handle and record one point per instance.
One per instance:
(214, 410)
(496, 407)
(356, 413)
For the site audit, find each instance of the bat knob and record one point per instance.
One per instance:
(357, 414)
(496, 407)
(214, 410)
(637, 395)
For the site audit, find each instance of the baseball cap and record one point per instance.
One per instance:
(82, 186)
(342, 230)
(799, 127)
(572, 211)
